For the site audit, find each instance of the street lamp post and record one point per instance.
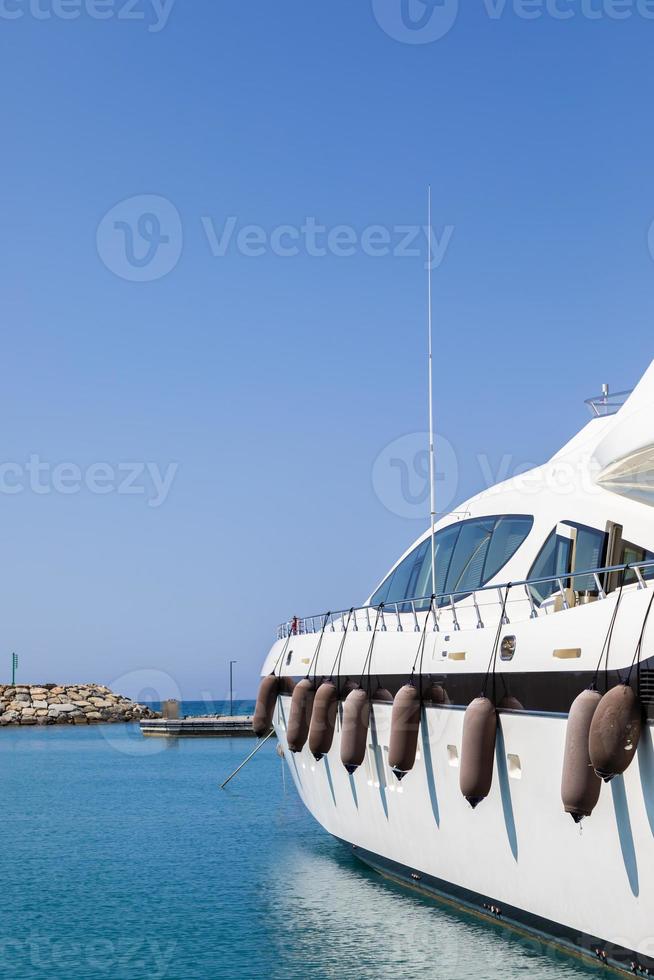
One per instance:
(231, 686)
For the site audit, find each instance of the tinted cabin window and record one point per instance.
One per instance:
(405, 578)
(554, 559)
(590, 552)
(468, 555)
(631, 555)
(467, 565)
(446, 542)
(508, 535)
(560, 553)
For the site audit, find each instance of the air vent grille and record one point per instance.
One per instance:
(647, 686)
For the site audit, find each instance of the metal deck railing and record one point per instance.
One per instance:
(404, 614)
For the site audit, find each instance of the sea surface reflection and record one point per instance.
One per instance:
(130, 864)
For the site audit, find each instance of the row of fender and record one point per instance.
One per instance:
(601, 739)
(314, 708)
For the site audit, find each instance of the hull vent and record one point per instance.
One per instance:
(647, 687)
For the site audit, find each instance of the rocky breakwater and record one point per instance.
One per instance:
(79, 704)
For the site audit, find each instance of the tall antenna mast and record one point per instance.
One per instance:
(432, 454)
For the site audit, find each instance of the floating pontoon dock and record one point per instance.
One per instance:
(212, 726)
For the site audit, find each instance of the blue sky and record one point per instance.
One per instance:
(138, 329)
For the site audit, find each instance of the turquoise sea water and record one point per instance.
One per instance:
(122, 858)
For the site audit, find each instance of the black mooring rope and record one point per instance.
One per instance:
(281, 656)
(339, 653)
(314, 659)
(493, 657)
(609, 636)
(639, 648)
(368, 659)
(420, 653)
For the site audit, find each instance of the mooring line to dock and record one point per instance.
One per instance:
(251, 755)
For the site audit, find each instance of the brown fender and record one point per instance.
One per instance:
(439, 695)
(580, 787)
(323, 720)
(509, 703)
(347, 688)
(286, 685)
(478, 750)
(299, 716)
(265, 706)
(615, 732)
(405, 725)
(354, 736)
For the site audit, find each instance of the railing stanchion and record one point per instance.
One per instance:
(399, 621)
(383, 621)
(532, 605)
(639, 576)
(368, 626)
(480, 622)
(600, 587)
(355, 625)
(454, 616)
(416, 627)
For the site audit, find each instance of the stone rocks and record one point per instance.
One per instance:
(79, 704)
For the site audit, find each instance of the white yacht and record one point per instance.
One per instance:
(537, 590)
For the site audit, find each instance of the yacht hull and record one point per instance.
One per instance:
(517, 860)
